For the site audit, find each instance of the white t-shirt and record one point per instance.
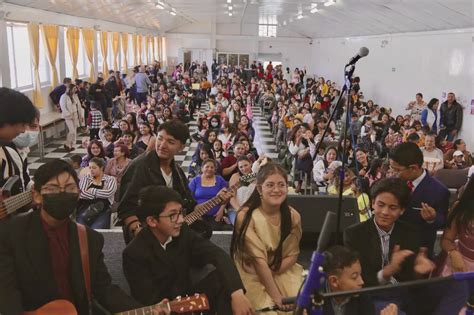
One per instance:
(168, 178)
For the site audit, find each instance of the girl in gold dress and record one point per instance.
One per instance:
(265, 244)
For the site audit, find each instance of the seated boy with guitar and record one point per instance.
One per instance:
(43, 255)
(159, 262)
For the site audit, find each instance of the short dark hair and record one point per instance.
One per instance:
(339, 257)
(152, 200)
(414, 137)
(406, 154)
(76, 158)
(67, 80)
(419, 94)
(177, 129)
(394, 186)
(15, 108)
(51, 170)
(98, 161)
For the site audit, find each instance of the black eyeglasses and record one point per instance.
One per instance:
(174, 217)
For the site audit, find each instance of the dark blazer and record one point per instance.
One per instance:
(357, 305)
(153, 273)
(435, 194)
(26, 277)
(364, 239)
(145, 171)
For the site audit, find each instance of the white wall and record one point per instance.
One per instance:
(295, 52)
(400, 65)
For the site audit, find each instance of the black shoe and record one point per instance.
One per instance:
(67, 148)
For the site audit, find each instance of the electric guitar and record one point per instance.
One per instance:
(180, 305)
(11, 199)
(203, 208)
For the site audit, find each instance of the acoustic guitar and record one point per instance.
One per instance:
(57, 307)
(11, 199)
(203, 208)
(188, 304)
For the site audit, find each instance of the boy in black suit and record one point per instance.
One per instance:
(40, 256)
(159, 262)
(387, 248)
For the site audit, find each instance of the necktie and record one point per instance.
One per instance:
(410, 185)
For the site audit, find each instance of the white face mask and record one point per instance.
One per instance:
(26, 139)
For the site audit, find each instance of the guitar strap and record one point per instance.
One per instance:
(84, 247)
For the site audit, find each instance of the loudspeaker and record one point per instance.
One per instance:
(313, 209)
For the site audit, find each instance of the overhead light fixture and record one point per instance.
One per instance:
(230, 13)
(329, 3)
(300, 16)
(284, 22)
(229, 1)
(173, 12)
(159, 6)
(314, 8)
(230, 8)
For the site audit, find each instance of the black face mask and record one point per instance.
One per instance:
(60, 205)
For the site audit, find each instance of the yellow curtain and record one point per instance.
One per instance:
(88, 38)
(125, 52)
(115, 49)
(72, 35)
(135, 49)
(50, 41)
(140, 49)
(103, 49)
(33, 35)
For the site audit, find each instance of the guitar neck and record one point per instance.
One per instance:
(147, 310)
(203, 208)
(12, 204)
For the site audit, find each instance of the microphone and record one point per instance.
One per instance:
(363, 51)
(315, 277)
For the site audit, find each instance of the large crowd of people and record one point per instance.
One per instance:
(137, 124)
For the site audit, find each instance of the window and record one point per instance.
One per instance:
(21, 68)
(82, 61)
(267, 26)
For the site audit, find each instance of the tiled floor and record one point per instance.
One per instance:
(263, 142)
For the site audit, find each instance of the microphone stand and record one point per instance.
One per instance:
(348, 72)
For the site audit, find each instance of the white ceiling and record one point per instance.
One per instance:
(345, 18)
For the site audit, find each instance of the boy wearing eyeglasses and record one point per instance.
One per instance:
(164, 258)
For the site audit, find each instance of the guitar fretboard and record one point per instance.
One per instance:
(147, 310)
(203, 208)
(11, 204)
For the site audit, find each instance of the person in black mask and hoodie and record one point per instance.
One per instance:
(40, 253)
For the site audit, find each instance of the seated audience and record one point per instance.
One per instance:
(229, 163)
(206, 186)
(116, 166)
(94, 149)
(458, 241)
(203, 153)
(162, 260)
(97, 195)
(459, 145)
(323, 170)
(265, 244)
(433, 159)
